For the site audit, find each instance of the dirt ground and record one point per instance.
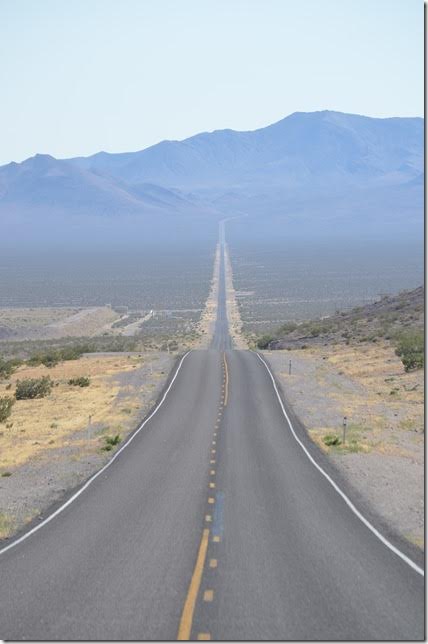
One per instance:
(383, 454)
(47, 323)
(51, 444)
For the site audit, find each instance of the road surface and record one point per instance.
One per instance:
(212, 523)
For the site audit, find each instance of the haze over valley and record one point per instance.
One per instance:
(319, 185)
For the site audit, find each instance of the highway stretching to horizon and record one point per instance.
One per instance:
(217, 519)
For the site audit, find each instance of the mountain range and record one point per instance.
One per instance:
(309, 167)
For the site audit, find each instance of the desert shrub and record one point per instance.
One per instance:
(54, 356)
(7, 367)
(410, 348)
(51, 359)
(6, 404)
(80, 381)
(331, 439)
(111, 441)
(33, 388)
(264, 341)
(286, 328)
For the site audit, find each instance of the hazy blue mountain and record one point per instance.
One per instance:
(310, 172)
(304, 148)
(44, 181)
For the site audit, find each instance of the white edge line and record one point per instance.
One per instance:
(367, 523)
(103, 469)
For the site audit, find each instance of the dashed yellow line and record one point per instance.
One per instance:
(185, 627)
(226, 371)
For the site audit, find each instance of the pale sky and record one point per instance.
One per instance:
(80, 76)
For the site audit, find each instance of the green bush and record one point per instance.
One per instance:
(80, 381)
(111, 441)
(410, 348)
(7, 367)
(287, 328)
(51, 359)
(6, 404)
(54, 356)
(264, 341)
(331, 439)
(33, 388)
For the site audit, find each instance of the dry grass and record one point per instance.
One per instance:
(37, 426)
(7, 525)
(380, 374)
(368, 385)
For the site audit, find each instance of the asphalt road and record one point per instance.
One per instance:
(212, 523)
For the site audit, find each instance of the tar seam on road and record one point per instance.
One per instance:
(103, 469)
(192, 594)
(349, 503)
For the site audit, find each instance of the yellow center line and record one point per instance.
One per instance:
(226, 371)
(185, 627)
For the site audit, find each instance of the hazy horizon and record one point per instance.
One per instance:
(162, 140)
(123, 76)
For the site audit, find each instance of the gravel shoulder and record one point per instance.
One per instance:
(50, 445)
(383, 455)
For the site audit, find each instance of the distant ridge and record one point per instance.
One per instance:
(308, 166)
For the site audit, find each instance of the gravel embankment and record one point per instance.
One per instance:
(384, 462)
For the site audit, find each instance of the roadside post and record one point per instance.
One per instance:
(289, 367)
(345, 422)
(89, 428)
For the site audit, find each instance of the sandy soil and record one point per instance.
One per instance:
(383, 456)
(49, 445)
(47, 323)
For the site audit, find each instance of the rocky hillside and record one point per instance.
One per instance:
(385, 319)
